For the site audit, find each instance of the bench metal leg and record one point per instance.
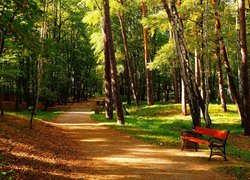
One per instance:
(184, 144)
(195, 145)
(222, 154)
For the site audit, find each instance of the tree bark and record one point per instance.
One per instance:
(115, 83)
(2, 40)
(202, 74)
(40, 63)
(220, 81)
(108, 85)
(207, 65)
(197, 70)
(175, 83)
(244, 67)
(127, 84)
(183, 99)
(194, 98)
(2, 43)
(150, 100)
(129, 66)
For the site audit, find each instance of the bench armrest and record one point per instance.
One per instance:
(214, 140)
(190, 132)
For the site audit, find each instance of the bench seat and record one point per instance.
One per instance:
(197, 140)
(215, 140)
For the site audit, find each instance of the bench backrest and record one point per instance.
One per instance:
(220, 134)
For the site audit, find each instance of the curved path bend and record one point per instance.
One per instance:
(110, 154)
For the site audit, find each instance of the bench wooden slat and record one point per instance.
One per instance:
(193, 139)
(212, 132)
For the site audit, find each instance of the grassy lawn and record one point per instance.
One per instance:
(161, 125)
(44, 115)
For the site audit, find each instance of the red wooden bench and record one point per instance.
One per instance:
(214, 139)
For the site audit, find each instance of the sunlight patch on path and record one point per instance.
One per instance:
(93, 140)
(136, 161)
(87, 112)
(73, 125)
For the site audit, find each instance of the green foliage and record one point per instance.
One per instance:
(156, 21)
(97, 40)
(92, 18)
(164, 57)
(47, 97)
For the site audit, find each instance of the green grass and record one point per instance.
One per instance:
(161, 124)
(239, 172)
(45, 115)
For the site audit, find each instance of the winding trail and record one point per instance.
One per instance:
(110, 154)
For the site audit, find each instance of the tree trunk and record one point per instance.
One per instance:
(202, 75)
(115, 83)
(108, 86)
(183, 99)
(230, 78)
(158, 94)
(194, 97)
(150, 100)
(127, 84)
(2, 42)
(18, 87)
(207, 65)
(129, 66)
(220, 81)
(1, 97)
(40, 62)
(166, 94)
(220, 40)
(197, 71)
(244, 67)
(175, 83)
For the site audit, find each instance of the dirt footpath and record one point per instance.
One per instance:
(110, 154)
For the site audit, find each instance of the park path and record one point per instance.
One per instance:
(110, 154)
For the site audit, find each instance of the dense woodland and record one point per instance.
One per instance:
(60, 51)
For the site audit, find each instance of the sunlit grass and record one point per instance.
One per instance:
(240, 172)
(161, 124)
(44, 115)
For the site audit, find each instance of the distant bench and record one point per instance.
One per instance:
(99, 106)
(216, 140)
